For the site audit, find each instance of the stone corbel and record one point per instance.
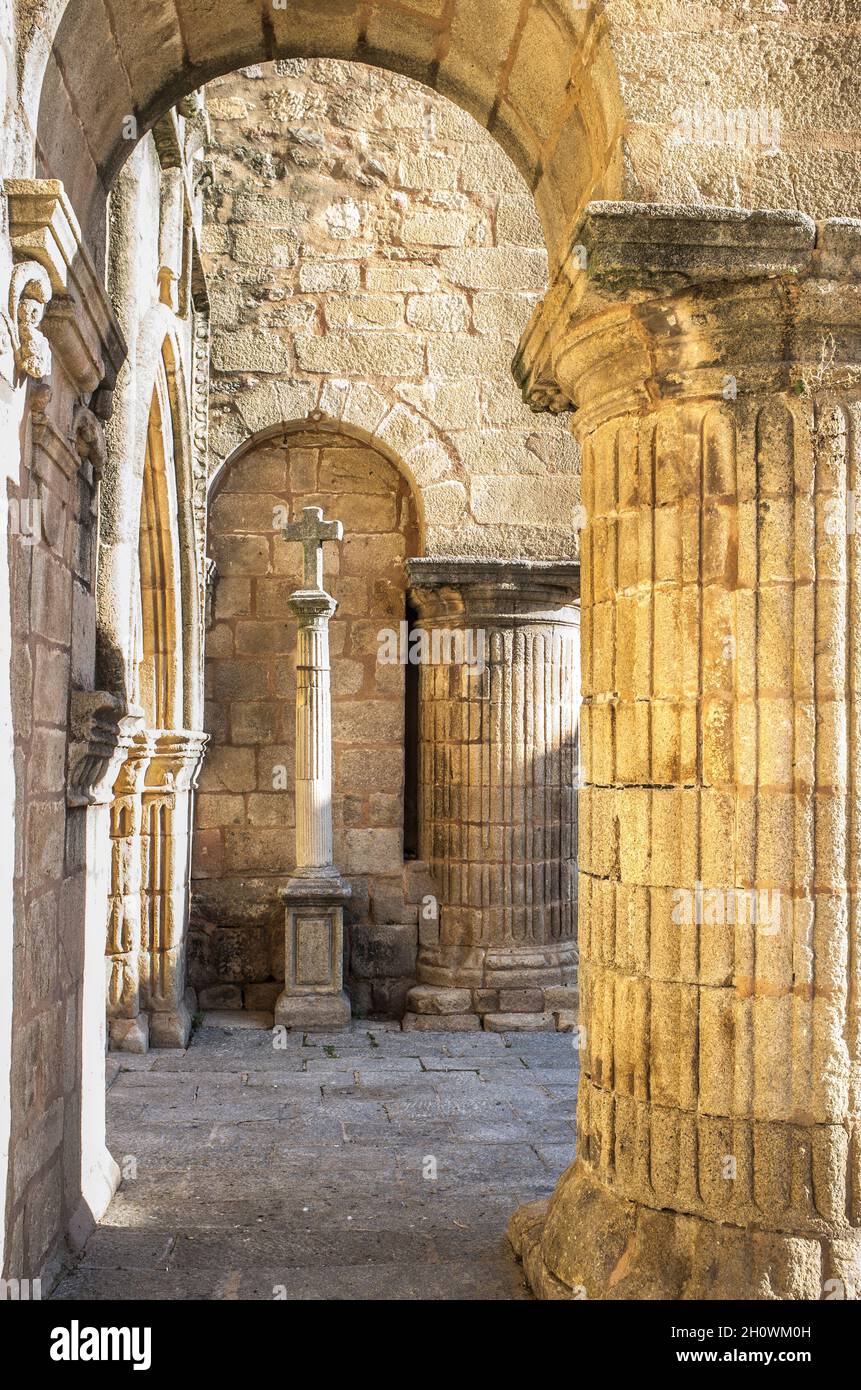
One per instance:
(102, 730)
(88, 434)
(79, 322)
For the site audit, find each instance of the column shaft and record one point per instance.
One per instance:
(499, 695)
(313, 744)
(718, 1142)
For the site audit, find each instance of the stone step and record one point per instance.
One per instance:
(520, 1023)
(441, 1023)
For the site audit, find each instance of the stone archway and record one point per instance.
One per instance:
(676, 308)
(540, 77)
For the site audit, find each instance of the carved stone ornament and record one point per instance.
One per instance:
(89, 436)
(24, 349)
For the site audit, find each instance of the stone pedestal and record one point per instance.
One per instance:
(713, 358)
(499, 695)
(313, 995)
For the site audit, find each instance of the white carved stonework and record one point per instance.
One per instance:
(150, 831)
(102, 729)
(24, 349)
(313, 995)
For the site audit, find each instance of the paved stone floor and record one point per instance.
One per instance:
(301, 1173)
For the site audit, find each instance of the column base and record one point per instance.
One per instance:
(173, 1027)
(313, 997)
(588, 1243)
(313, 1013)
(552, 1008)
(129, 1034)
(98, 1188)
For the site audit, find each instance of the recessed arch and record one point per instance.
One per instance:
(540, 77)
(245, 826)
(159, 374)
(362, 431)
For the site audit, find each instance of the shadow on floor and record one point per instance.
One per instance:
(372, 1164)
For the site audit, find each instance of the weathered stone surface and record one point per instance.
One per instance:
(711, 356)
(382, 950)
(454, 1023)
(428, 999)
(494, 932)
(313, 1013)
(730, 1222)
(521, 1001)
(507, 1023)
(220, 997)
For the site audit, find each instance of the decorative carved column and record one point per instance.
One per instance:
(313, 995)
(128, 1023)
(714, 358)
(499, 694)
(175, 759)
(148, 1001)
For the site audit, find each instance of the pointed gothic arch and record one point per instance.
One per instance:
(159, 655)
(152, 808)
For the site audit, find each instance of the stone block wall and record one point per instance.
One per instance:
(366, 238)
(245, 827)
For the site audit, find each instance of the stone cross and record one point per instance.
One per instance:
(314, 897)
(312, 531)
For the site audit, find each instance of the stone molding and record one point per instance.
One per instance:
(175, 759)
(79, 321)
(500, 591)
(103, 730)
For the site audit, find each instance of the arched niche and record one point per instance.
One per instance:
(244, 837)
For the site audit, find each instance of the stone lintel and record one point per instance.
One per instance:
(79, 321)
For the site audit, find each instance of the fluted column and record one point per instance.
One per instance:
(498, 647)
(313, 731)
(714, 360)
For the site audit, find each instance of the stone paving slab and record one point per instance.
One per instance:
(370, 1164)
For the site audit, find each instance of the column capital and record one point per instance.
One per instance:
(454, 587)
(308, 604)
(175, 759)
(658, 303)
